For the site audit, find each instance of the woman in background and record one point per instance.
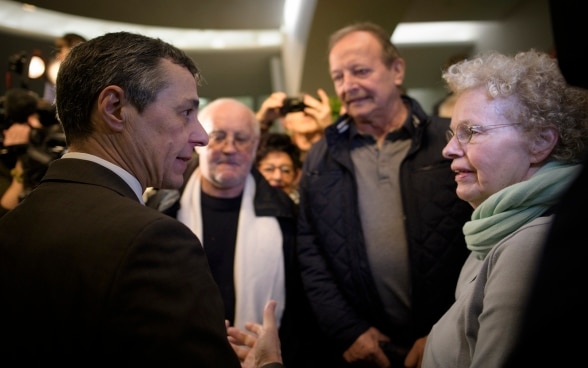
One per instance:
(278, 160)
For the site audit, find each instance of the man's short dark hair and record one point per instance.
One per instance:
(128, 60)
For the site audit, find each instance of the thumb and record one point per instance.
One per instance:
(269, 315)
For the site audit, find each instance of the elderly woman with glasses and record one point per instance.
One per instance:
(517, 135)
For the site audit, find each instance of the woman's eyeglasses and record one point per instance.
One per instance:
(464, 132)
(284, 169)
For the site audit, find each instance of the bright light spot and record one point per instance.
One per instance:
(36, 67)
(52, 71)
(437, 32)
(29, 7)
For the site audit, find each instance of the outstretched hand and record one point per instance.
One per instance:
(261, 345)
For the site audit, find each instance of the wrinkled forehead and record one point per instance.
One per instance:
(476, 106)
(234, 122)
(358, 47)
(297, 116)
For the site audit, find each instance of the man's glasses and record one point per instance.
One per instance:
(284, 169)
(218, 139)
(464, 132)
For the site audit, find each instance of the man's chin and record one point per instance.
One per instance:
(173, 183)
(358, 110)
(227, 180)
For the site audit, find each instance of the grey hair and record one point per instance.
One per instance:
(206, 111)
(543, 96)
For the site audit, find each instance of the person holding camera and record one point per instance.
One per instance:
(22, 119)
(303, 117)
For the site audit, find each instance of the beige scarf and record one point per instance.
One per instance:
(259, 258)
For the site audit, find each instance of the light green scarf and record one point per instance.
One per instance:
(512, 207)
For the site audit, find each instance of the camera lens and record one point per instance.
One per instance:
(292, 104)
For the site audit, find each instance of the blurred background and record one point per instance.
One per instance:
(250, 48)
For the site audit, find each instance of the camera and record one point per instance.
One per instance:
(45, 145)
(292, 104)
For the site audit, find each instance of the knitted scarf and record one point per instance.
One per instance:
(512, 207)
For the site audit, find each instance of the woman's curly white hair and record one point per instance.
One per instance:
(543, 96)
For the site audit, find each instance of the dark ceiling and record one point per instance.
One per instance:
(247, 72)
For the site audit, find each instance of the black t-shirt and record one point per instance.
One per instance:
(220, 218)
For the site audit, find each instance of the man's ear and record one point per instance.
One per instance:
(544, 144)
(110, 104)
(399, 67)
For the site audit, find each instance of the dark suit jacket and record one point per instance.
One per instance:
(89, 276)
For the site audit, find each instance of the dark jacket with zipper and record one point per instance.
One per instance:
(331, 246)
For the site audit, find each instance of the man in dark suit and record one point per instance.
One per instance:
(90, 276)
